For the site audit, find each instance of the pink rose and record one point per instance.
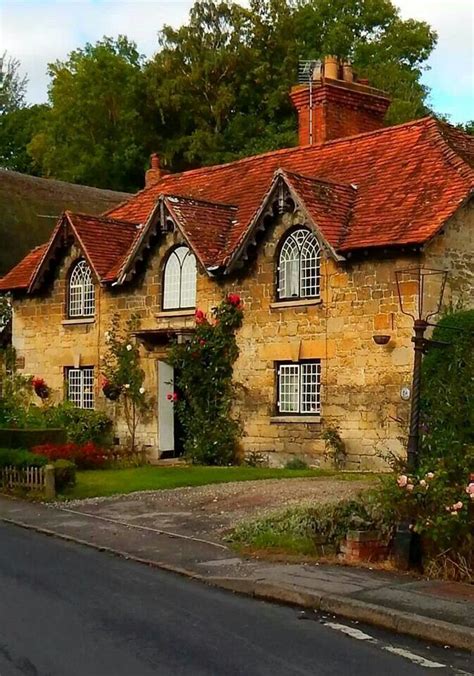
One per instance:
(457, 505)
(410, 487)
(402, 481)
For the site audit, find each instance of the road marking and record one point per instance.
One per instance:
(417, 659)
(401, 652)
(351, 631)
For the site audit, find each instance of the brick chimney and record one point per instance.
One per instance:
(154, 173)
(336, 104)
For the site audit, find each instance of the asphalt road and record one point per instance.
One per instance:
(66, 610)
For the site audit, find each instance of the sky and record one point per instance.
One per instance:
(38, 32)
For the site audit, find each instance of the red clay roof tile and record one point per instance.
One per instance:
(392, 187)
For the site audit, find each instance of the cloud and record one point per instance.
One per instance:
(40, 31)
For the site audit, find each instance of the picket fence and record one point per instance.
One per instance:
(35, 479)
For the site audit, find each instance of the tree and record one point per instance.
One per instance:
(17, 128)
(95, 132)
(221, 82)
(12, 85)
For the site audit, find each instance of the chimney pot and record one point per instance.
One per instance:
(347, 73)
(331, 67)
(154, 173)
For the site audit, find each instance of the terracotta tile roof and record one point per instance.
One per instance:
(328, 204)
(20, 276)
(206, 224)
(105, 241)
(392, 187)
(410, 178)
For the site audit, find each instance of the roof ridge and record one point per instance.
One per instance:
(98, 217)
(201, 201)
(320, 180)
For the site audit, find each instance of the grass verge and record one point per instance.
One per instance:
(98, 483)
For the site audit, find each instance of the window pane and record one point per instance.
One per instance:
(74, 379)
(310, 267)
(88, 388)
(188, 281)
(310, 387)
(289, 269)
(171, 282)
(288, 388)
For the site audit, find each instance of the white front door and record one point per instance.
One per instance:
(165, 407)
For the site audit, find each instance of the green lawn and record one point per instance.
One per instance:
(95, 483)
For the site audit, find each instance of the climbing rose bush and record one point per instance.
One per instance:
(205, 388)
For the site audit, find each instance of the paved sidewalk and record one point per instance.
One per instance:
(430, 610)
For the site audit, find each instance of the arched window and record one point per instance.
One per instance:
(299, 266)
(179, 280)
(81, 293)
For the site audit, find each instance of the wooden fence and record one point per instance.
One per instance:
(35, 479)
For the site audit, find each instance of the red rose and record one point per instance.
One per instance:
(200, 317)
(233, 299)
(202, 342)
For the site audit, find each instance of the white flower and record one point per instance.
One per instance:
(410, 487)
(430, 475)
(457, 505)
(423, 483)
(129, 347)
(127, 386)
(142, 390)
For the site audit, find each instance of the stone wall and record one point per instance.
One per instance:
(361, 381)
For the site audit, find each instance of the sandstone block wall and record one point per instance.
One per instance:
(360, 381)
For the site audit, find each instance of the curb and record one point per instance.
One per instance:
(410, 624)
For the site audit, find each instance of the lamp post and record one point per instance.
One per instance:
(425, 289)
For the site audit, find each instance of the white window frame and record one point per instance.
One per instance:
(299, 266)
(81, 292)
(81, 386)
(299, 387)
(179, 280)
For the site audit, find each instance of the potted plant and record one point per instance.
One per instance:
(41, 389)
(111, 390)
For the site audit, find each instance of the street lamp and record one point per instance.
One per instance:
(420, 294)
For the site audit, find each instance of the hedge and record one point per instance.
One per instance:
(28, 438)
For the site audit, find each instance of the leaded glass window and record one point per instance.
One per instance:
(80, 386)
(299, 266)
(299, 388)
(81, 297)
(180, 280)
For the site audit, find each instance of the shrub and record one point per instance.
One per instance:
(296, 463)
(448, 387)
(85, 456)
(28, 438)
(21, 458)
(81, 425)
(64, 474)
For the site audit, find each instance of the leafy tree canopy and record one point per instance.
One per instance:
(12, 84)
(95, 131)
(217, 89)
(221, 82)
(17, 128)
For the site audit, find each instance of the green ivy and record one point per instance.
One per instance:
(205, 391)
(448, 387)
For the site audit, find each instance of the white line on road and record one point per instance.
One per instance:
(401, 652)
(417, 659)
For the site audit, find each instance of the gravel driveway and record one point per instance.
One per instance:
(209, 511)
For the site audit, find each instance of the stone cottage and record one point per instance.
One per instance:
(310, 237)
